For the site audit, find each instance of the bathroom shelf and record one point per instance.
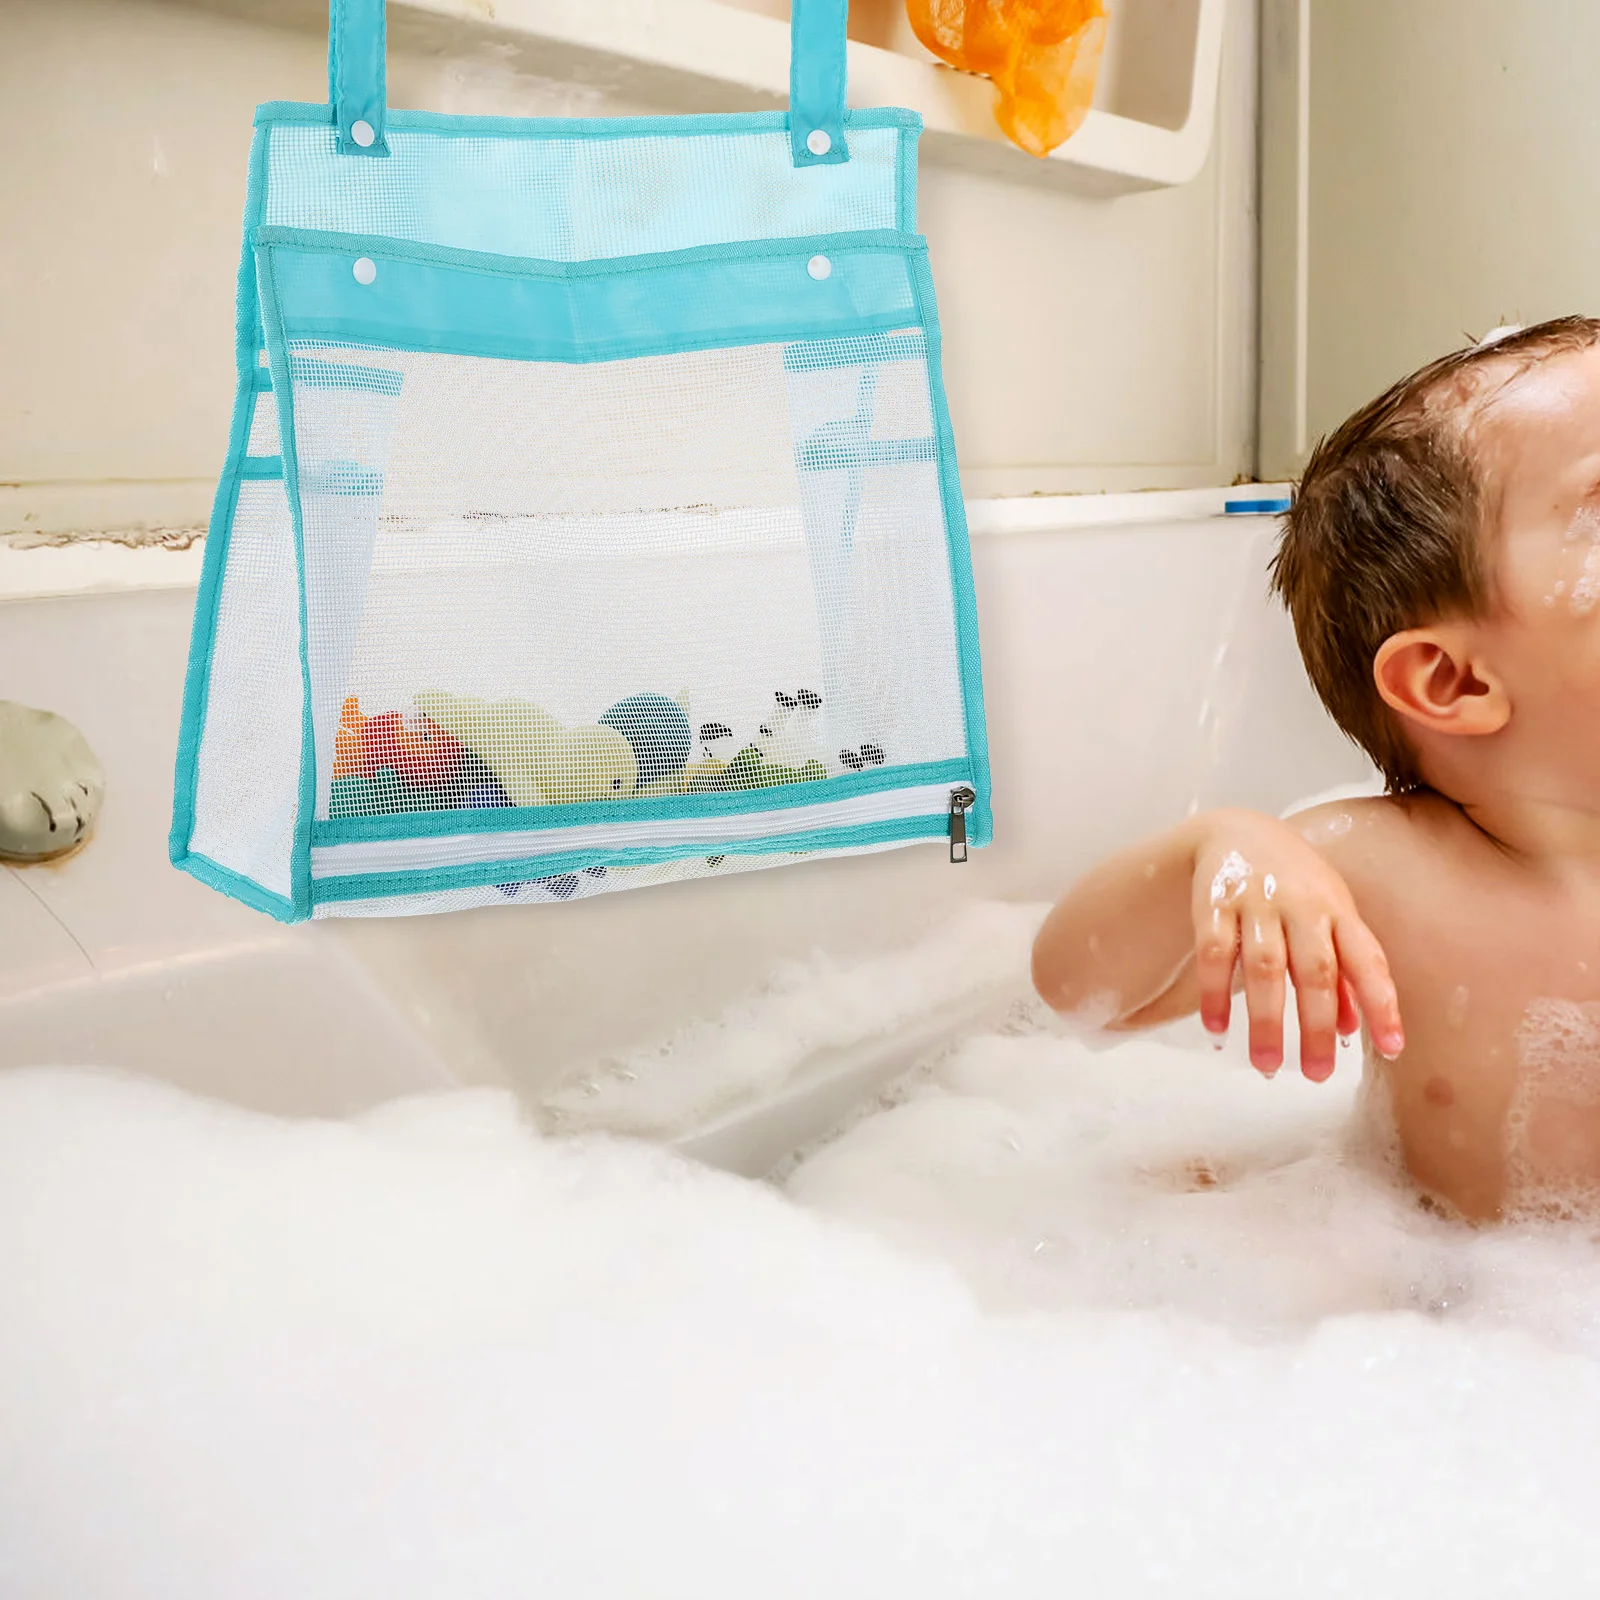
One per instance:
(1163, 60)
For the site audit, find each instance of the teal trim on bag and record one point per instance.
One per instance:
(261, 379)
(309, 373)
(864, 241)
(278, 357)
(261, 467)
(464, 302)
(906, 178)
(712, 125)
(980, 825)
(357, 49)
(664, 808)
(202, 632)
(481, 874)
(817, 67)
(221, 878)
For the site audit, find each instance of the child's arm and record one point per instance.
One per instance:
(1159, 931)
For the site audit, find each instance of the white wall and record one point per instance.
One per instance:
(1450, 171)
(1090, 343)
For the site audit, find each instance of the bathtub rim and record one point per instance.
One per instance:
(112, 563)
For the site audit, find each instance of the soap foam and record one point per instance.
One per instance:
(977, 955)
(1552, 1126)
(1132, 1323)
(1148, 1177)
(1584, 531)
(1232, 879)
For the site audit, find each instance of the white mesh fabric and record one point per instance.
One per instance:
(344, 413)
(248, 768)
(555, 541)
(875, 532)
(263, 439)
(580, 197)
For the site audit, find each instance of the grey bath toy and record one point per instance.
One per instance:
(51, 784)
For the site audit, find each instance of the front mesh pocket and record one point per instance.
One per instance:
(534, 583)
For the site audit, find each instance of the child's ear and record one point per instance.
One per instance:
(1430, 677)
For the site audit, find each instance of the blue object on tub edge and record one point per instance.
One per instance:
(1255, 505)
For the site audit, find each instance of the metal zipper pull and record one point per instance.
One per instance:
(960, 799)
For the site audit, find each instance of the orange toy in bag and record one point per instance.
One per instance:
(1042, 55)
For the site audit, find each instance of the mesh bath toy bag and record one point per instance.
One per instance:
(590, 518)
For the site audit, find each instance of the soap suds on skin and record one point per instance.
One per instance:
(1553, 1123)
(1585, 532)
(1231, 880)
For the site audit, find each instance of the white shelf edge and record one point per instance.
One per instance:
(645, 42)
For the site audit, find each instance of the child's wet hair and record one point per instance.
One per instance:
(1385, 531)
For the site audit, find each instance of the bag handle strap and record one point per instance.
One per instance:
(817, 81)
(356, 87)
(356, 84)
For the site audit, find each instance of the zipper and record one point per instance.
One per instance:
(960, 799)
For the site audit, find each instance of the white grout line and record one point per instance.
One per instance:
(92, 567)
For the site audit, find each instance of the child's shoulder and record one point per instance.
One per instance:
(1358, 826)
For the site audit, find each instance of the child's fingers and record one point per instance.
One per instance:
(1363, 962)
(1349, 1011)
(1264, 959)
(1216, 953)
(1314, 967)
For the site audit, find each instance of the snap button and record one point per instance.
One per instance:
(819, 267)
(365, 269)
(361, 132)
(818, 142)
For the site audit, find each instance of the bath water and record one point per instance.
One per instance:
(1052, 1320)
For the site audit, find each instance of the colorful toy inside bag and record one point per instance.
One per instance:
(1042, 55)
(458, 752)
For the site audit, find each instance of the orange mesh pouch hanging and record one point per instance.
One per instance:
(1042, 55)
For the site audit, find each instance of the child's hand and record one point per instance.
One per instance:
(1265, 902)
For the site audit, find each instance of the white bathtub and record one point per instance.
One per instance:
(1132, 670)
(1130, 1319)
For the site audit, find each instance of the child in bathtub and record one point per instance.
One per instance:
(1441, 562)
